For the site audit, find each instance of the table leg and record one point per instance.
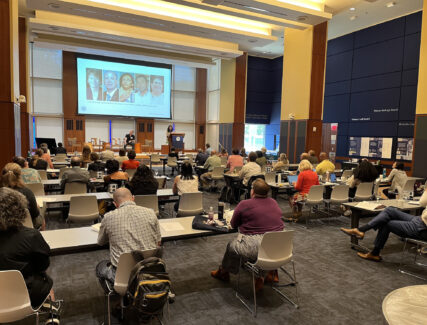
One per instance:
(164, 167)
(355, 218)
(274, 192)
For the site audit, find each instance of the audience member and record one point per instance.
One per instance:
(243, 153)
(201, 157)
(325, 164)
(185, 183)
(86, 155)
(364, 173)
(113, 173)
(303, 156)
(143, 182)
(312, 158)
(24, 249)
(261, 160)
(306, 179)
(392, 220)
(46, 157)
(250, 169)
(212, 162)
(234, 160)
(121, 157)
(28, 175)
(282, 163)
(44, 146)
(398, 178)
(131, 163)
(208, 149)
(127, 228)
(223, 153)
(75, 174)
(97, 165)
(60, 149)
(37, 162)
(253, 218)
(107, 154)
(11, 178)
(264, 151)
(173, 153)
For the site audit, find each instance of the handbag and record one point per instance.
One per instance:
(199, 222)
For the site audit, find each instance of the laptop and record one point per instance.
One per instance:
(332, 178)
(292, 178)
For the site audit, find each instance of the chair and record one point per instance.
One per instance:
(154, 158)
(72, 142)
(314, 198)
(61, 172)
(270, 177)
(217, 175)
(96, 144)
(419, 246)
(275, 251)
(172, 163)
(130, 172)
(148, 201)
(43, 174)
(249, 187)
(116, 145)
(224, 161)
(339, 195)
(83, 209)
(36, 188)
(346, 174)
(189, 157)
(15, 301)
(115, 184)
(62, 157)
(190, 204)
(161, 181)
(409, 186)
(376, 189)
(75, 188)
(364, 192)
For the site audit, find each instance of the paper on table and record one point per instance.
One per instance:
(370, 205)
(96, 227)
(171, 226)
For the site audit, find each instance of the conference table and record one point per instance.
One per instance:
(75, 240)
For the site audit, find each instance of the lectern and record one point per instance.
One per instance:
(177, 141)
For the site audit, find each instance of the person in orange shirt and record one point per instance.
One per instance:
(131, 163)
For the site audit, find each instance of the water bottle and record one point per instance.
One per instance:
(384, 173)
(211, 213)
(278, 178)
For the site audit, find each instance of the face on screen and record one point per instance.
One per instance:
(93, 80)
(157, 86)
(126, 82)
(141, 84)
(110, 80)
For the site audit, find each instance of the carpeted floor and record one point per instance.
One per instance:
(335, 286)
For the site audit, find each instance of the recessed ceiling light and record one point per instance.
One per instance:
(302, 18)
(353, 17)
(352, 9)
(390, 4)
(252, 41)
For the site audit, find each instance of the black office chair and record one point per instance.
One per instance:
(249, 187)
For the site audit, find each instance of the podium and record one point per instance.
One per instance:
(177, 141)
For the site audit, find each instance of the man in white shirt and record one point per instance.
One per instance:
(107, 154)
(250, 169)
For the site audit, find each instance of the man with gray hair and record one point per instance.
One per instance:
(107, 154)
(75, 174)
(128, 228)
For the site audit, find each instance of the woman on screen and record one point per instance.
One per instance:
(126, 88)
(156, 88)
(93, 89)
(142, 96)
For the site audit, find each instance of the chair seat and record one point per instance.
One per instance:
(186, 213)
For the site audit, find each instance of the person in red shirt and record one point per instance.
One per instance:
(131, 163)
(306, 179)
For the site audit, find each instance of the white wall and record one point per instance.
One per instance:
(121, 127)
(97, 128)
(50, 127)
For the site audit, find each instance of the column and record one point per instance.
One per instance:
(200, 114)
(240, 101)
(23, 85)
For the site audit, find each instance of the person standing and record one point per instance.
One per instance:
(169, 135)
(130, 140)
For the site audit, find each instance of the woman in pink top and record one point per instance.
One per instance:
(306, 179)
(46, 157)
(235, 160)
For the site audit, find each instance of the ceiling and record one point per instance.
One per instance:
(194, 30)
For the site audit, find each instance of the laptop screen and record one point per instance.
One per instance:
(292, 178)
(333, 177)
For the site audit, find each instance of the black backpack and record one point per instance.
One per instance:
(149, 286)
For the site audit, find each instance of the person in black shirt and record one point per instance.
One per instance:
(172, 153)
(24, 249)
(143, 182)
(200, 158)
(60, 149)
(130, 140)
(96, 165)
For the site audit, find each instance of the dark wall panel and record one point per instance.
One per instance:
(389, 80)
(373, 129)
(338, 88)
(410, 77)
(340, 67)
(405, 129)
(420, 154)
(408, 103)
(379, 33)
(342, 145)
(413, 23)
(336, 108)
(411, 57)
(341, 44)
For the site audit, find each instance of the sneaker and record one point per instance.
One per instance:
(56, 306)
(171, 297)
(52, 320)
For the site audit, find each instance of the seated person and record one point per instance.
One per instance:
(212, 162)
(243, 153)
(97, 165)
(116, 227)
(223, 153)
(312, 157)
(28, 175)
(261, 160)
(282, 162)
(122, 157)
(253, 218)
(24, 249)
(364, 173)
(143, 182)
(86, 155)
(325, 164)
(131, 163)
(113, 172)
(398, 178)
(11, 177)
(46, 157)
(250, 169)
(303, 156)
(107, 154)
(186, 182)
(208, 149)
(201, 157)
(264, 151)
(173, 153)
(234, 160)
(60, 149)
(37, 162)
(75, 174)
(306, 179)
(392, 220)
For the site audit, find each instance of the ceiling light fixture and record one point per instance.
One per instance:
(352, 9)
(318, 5)
(390, 4)
(353, 17)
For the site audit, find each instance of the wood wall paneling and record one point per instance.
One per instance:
(145, 131)
(240, 101)
(23, 87)
(200, 114)
(5, 59)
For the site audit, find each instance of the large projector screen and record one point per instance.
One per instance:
(123, 89)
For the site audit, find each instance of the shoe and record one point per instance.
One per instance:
(171, 297)
(220, 274)
(347, 213)
(272, 277)
(353, 232)
(289, 219)
(56, 306)
(52, 320)
(369, 256)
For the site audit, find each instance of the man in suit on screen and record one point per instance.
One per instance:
(111, 93)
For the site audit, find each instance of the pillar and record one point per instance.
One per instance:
(240, 101)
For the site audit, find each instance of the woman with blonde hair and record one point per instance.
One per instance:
(86, 156)
(11, 178)
(281, 163)
(306, 179)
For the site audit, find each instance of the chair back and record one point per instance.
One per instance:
(72, 141)
(14, 298)
(148, 201)
(155, 158)
(148, 142)
(340, 194)
(224, 161)
(218, 173)
(43, 174)
(161, 181)
(115, 184)
(61, 172)
(83, 208)
(315, 195)
(171, 161)
(36, 188)
(275, 250)
(131, 172)
(62, 157)
(270, 177)
(364, 191)
(75, 188)
(409, 185)
(346, 174)
(189, 156)
(190, 204)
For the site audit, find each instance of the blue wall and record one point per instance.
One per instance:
(264, 95)
(371, 81)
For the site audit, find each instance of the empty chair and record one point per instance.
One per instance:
(43, 174)
(364, 191)
(217, 175)
(224, 161)
(409, 186)
(172, 163)
(148, 201)
(190, 204)
(314, 198)
(339, 195)
(75, 188)
(189, 157)
(36, 188)
(161, 181)
(83, 208)
(154, 159)
(346, 174)
(270, 177)
(130, 172)
(275, 251)
(62, 157)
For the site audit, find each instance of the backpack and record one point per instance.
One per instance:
(149, 286)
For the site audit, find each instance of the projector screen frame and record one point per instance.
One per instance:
(124, 61)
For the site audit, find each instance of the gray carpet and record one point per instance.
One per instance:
(335, 286)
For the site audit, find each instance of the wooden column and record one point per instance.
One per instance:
(145, 131)
(240, 102)
(23, 85)
(201, 94)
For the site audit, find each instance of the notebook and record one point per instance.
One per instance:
(292, 178)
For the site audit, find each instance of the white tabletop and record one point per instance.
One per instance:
(400, 204)
(52, 170)
(61, 198)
